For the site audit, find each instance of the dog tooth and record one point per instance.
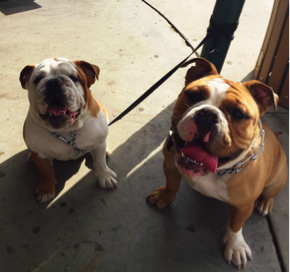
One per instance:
(201, 164)
(183, 155)
(194, 161)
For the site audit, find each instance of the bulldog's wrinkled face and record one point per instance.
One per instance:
(57, 91)
(216, 121)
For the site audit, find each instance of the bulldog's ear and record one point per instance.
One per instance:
(91, 71)
(201, 68)
(263, 95)
(25, 75)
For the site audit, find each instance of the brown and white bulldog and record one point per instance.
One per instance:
(64, 121)
(221, 149)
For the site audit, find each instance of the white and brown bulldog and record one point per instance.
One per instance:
(64, 121)
(221, 149)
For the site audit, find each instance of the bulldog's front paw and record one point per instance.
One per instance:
(264, 205)
(44, 191)
(107, 179)
(161, 197)
(236, 250)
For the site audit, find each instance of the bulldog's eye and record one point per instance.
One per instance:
(73, 78)
(193, 96)
(37, 80)
(238, 114)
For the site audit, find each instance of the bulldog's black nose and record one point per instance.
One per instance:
(54, 91)
(208, 115)
(53, 84)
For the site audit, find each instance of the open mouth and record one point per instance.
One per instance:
(193, 159)
(58, 111)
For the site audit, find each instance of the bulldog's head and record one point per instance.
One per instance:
(58, 91)
(216, 120)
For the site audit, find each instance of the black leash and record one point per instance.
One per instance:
(156, 85)
(216, 31)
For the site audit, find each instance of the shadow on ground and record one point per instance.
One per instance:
(16, 6)
(249, 76)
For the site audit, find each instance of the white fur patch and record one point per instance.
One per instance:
(39, 140)
(236, 250)
(218, 90)
(211, 185)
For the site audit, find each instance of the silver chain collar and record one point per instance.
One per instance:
(240, 165)
(70, 142)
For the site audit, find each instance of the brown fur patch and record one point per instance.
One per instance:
(100, 106)
(263, 94)
(269, 172)
(201, 68)
(93, 106)
(238, 216)
(241, 132)
(45, 167)
(25, 75)
(46, 185)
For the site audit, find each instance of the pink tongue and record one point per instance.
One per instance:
(201, 156)
(56, 110)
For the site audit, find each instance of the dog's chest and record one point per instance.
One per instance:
(41, 141)
(211, 185)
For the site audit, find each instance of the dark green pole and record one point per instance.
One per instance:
(225, 12)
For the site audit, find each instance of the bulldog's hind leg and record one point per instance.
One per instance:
(106, 177)
(264, 203)
(45, 189)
